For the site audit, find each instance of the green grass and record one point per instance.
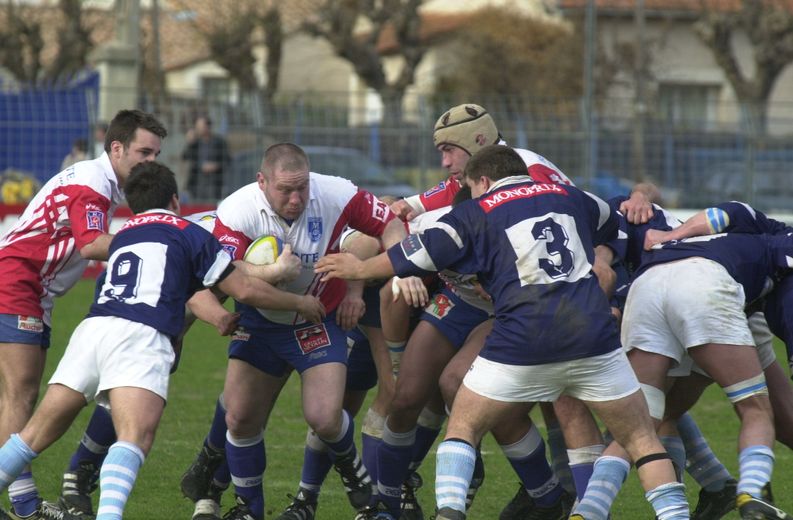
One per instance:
(197, 383)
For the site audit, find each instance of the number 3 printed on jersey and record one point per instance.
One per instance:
(548, 250)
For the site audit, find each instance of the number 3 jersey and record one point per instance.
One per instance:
(157, 261)
(532, 248)
(334, 203)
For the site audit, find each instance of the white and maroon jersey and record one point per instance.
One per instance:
(333, 204)
(41, 253)
(442, 194)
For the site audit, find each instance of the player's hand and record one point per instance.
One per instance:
(653, 237)
(412, 290)
(349, 311)
(228, 323)
(637, 209)
(480, 291)
(339, 265)
(287, 266)
(403, 210)
(311, 308)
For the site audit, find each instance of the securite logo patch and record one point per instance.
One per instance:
(526, 191)
(312, 338)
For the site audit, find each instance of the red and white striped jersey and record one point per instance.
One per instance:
(40, 255)
(442, 194)
(334, 203)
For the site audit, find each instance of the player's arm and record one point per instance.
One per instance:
(285, 269)
(98, 249)
(258, 293)
(638, 209)
(206, 306)
(349, 267)
(607, 278)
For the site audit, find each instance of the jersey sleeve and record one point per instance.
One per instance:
(439, 196)
(545, 175)
(444, 244)
(367, 213)
(88, 214)
(742, 218)
(234, 242)
(209, 258)
(607, 219)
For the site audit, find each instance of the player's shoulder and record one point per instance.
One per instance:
(331, 184)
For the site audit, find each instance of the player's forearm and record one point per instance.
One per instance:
(270, 273)
(377, 267)
(393, 233)
(98, 249)
(206, 307)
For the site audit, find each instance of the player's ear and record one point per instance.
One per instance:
(174, 205)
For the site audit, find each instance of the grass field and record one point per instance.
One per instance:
(197, 383)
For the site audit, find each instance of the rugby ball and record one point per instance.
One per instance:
(264, 250)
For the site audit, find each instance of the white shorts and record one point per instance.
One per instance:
(762, 338)
(600, 378)
(675, 306)
(106, 352)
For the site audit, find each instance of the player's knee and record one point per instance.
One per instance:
(241, 425)
(326, 425)
(450, 382)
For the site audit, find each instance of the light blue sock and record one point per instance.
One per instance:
(674, 447)
(607, 477)
(701, 463)
(669, 501)
(756, 463)
(116, 479)
(14, 456)
(453, 472)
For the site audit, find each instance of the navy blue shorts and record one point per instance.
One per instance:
(28, 330)
(361, 370)
(273, 347)
(454, 318)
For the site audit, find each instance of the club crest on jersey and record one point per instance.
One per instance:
(411, 245)
(231, 250)
(312, 338)
(95, 220)
(315, 228)
(440, 306)
(437, 189)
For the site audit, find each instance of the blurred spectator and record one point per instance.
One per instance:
(100, 129)
(207, 155)
(79, 153)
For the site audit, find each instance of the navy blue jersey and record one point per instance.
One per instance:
(157, 261)
(754, 261)
(742, 218)
(629, 244)
(778, 312)
(532, 247)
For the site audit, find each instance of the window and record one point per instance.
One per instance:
(691, 106)
(216, 90)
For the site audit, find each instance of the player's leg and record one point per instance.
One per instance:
(472, 416)
(557, 448)
(521, 443)
(323, 393)
(737, 370)
(609, 387)
(136, 415)
(22, 357)
(426, 355)
(581, 436)
(82, 476)
(718, 487)
(248, 395)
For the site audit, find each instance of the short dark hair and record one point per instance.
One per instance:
(495, 162)
(287, 156)
(122, 128)
(150, 185)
